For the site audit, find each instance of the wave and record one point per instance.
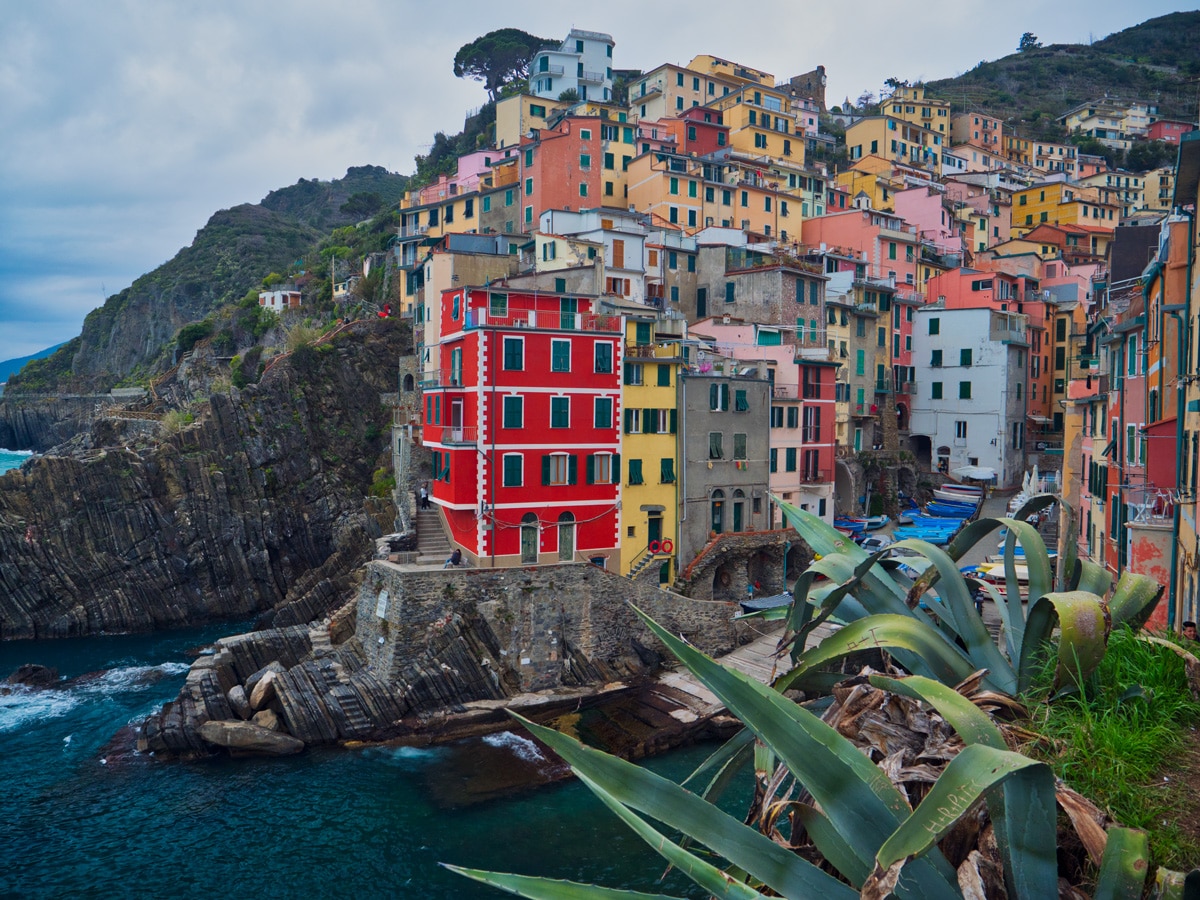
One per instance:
(21, 706)
(521, 747)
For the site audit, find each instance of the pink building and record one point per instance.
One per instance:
(1169, 130)
(925, 207)
(889, 245)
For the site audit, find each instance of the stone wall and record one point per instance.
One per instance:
(550, 626)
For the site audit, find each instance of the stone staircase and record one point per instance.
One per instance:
(432, 544)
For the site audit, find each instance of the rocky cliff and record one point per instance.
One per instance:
(258, 507)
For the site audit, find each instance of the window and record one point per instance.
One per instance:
(559, 468)
(664, 376)
(603, 468)
(774, 455)
(740, 403)
(633, 373)
(528, 187)
(793, 416)
(498, 306)
(514, 354)
(789, 459)
(964, 356)
(964, 390)
(714, 445)
(635, 472)
(583, 189)
(729, 292)
(514, 412)
(633, 420)
(960, 430)
(514, 467)
(603, 412)
(776, 416)
(935, 326)
(560, 412)
(739, 446)
(560, 356)
(666, 470)
(604, 357)
(718, 396)
(936, 390)
(935, 358)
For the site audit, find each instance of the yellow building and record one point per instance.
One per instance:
(670, 90)
(730, 71)
(1159, 188)
(1017, 149)
(1062, 203)
(1126, 190)
(761, 123)
(517, 116)
(895, 139)
(911, 104)
(650, 449)
(872, 176)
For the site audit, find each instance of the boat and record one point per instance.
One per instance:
(871, 523)
(968, 489)
(949, 510)
(845, 523)
(943, 493)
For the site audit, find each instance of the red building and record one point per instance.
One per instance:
(698, 130)
(1169, 130)
(561, 168)
(522, 422)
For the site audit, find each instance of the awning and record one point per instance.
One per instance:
(975, 473)
(1039, 420)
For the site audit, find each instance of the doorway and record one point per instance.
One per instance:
(529, 539)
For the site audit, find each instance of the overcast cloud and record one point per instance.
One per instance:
(125, 125)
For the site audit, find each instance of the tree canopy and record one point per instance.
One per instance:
(498, 57)
(1029, 41)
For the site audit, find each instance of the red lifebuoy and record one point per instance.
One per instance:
(666, 546)
(654, 545)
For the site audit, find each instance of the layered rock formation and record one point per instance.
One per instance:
(259, 506)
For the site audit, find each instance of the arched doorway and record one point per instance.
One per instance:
(923, 451)
(943, 459)
(408, 382)
(529, 538)
(902, 417)
(717, 513)
(739, 510)
(566, 537)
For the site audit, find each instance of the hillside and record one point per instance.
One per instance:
(1152, 62)
(11, 366)
(231, 254)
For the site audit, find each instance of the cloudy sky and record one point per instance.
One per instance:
(125, 124)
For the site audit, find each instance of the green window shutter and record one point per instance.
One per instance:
(627, 376)
(572, 469)
(546, 469)
(628, 421)
(560, 285)
(616, 468)
(740, 403)
(673, 418)
(649, 421)
(591, 468)
(664, 376)
(635, 471)
(667, 471)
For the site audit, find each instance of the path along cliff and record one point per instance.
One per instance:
(257, 508)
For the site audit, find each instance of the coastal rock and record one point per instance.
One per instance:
(33, 675)
(273, 668)
(266, 718)
(259, 507)
(237, 699)
(247, 737)
(264, 691)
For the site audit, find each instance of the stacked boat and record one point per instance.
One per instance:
(944, 515)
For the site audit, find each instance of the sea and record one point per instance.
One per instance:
(82, 814)
(10, 459)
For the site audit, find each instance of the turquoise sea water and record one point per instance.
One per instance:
(81, 816)
(10, 459)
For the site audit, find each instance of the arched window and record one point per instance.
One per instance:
(718, 511)
(739, 510)
(408, 383)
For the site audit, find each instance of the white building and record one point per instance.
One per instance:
(623, 235)
(970, 397)
(583, 64)
(278, 301)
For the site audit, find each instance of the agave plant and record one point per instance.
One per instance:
(871, 841)
(930, 625)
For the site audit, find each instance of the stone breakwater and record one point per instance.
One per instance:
(422, 654)
(257, 508)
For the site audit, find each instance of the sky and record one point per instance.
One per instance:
(125, 125)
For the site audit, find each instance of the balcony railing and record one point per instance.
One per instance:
(814, 476)
(786, 391)
(441, 378)
(461, 434)
(863, 409)
(592, 77)
(549, 70)
(534, 318)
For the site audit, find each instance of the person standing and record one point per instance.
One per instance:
(424, 497)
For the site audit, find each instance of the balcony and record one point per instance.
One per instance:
(814, 476)
(592, 77)
(544, 319)
(549, 70)
(441, 378)
(863, 409)
(664, 352)
(460, 434)
(786, 392)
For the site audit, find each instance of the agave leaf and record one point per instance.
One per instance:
(551, 889)
(1031, 863)
(939, 658)
(1093, 578)
(859, 799)
(970, 722)
(1126, 862)
(733, 751)
(706, 875)
(1035, 504)
(832, 845)
(640, 789)
(1068, 547)
(1083, 622)
(1134, 599)
(965, 621)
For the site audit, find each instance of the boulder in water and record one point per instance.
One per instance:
(239, 702)
(33, 675)
(264, 691)
(246, 737)
(267, 719)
